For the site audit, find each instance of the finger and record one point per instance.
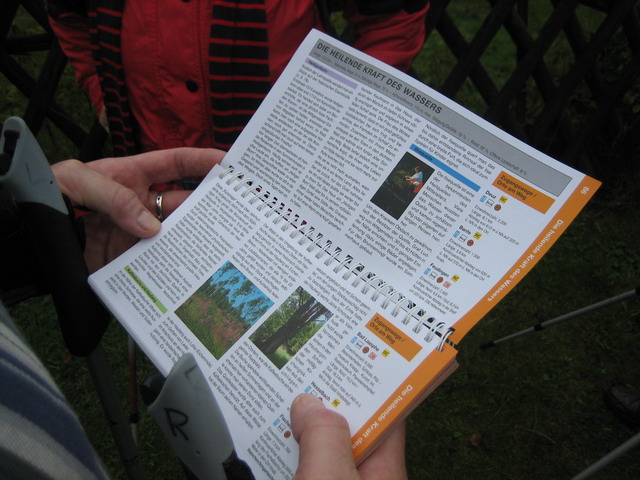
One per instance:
(324, 439)
(104, 242)
(85, 186)
(161, 165)
(103, 119)
(171, 199)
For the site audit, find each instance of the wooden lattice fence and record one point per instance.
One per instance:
(585, 116)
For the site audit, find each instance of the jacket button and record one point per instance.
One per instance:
(192, 86)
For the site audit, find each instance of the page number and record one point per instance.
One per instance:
(584, 190)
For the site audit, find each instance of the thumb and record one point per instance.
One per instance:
(89, 188)
(324, 439)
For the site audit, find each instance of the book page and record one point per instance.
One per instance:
(358, 228)
(420, 191)
(268, 317)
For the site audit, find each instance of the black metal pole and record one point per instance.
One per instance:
(565, 317)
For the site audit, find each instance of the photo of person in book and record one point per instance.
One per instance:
(416, 181)
(402, 185)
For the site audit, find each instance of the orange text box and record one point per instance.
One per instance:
(393, 337)
(523, 192)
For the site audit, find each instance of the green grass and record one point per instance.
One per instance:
(530, 408)
(280, 358)
(536, 400)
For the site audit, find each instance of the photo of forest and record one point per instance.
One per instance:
(286, 331)
(223, 309)
(402, 185)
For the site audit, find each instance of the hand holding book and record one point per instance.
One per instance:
(325, 445)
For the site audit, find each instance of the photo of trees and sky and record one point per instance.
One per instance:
(223, 309)
(286, 331)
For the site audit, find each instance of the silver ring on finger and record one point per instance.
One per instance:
(159, 211)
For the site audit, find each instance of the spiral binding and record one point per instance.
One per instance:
(333, 256)
(399, 305)
(367, 284)
(345, 262)
(381, 286)
(309, 234)
(241, 182)
(227, 171)
(323, 250)
(257, 194)
(354, 270)
(358, 279)
(413, 310)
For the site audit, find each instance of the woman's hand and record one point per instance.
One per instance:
(119, 191)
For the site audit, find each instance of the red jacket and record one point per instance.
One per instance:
(165, 58)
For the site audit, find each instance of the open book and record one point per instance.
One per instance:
(359, 227)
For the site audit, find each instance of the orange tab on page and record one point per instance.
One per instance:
(523, 192)
(393, 337)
